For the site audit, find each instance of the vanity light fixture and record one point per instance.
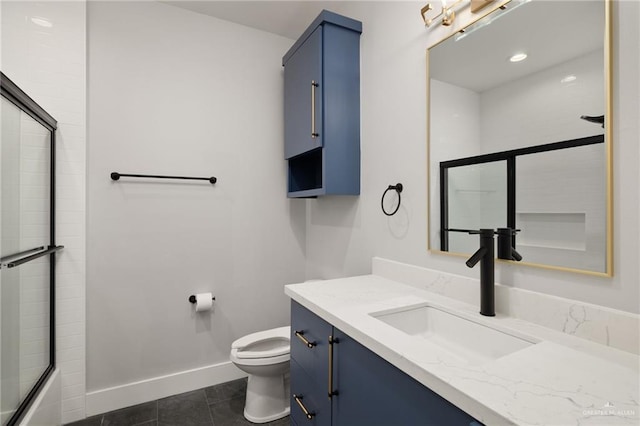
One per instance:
(518, 57)
(501, 11)
(43, 22)
(447, 12)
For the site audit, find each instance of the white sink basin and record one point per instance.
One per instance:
(463, 338)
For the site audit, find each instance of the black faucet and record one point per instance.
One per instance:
(505, 244)
(487, 284)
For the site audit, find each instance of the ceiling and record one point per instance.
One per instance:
(550, 32)
(286, 18)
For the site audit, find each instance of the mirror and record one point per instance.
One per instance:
(476, 198)
(521, 143)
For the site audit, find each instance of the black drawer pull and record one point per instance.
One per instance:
(300, 335)
(306, 412)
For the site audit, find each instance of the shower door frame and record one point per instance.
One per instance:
(10, 91)
(510, 157)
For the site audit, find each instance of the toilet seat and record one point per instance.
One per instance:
(263, 344)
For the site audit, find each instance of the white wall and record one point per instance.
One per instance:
(343, 234)
(174, 92)
(49, 65)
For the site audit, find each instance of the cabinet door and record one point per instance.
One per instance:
(303, 88)
(313, 358)
(308, 395)
(373, 392)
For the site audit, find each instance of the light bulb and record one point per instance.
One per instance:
(518, 57)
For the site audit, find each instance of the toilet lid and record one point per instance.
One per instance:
(263, 344)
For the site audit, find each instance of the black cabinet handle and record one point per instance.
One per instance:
(332, 341)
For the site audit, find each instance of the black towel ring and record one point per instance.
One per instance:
(398, 188)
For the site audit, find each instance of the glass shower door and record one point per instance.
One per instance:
(26, 244)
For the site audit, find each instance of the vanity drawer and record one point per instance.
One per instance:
(311, 396)
(314, 356)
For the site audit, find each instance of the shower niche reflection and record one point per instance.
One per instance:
(553, 194)
(27, 250)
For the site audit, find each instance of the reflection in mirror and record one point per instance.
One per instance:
(476, 199)
(528, 188)
(563, 219)
(482, 101)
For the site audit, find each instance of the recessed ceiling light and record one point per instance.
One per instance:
(518, 57)
(43, 22)
(568, 79)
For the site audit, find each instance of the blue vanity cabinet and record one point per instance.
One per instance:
(371, 391)
(309, 394)
(322, 108)
(313, 357)
(367, 389)
(309, 367)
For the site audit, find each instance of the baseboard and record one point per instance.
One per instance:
(109, 399)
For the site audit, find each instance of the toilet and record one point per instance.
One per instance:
(265, 357)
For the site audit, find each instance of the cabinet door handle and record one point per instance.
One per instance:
(313, 109)
(300, 335)
(306, 412)
(331, 392)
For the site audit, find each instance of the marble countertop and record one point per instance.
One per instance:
(559, 380)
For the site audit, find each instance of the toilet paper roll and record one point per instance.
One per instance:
(204, 302)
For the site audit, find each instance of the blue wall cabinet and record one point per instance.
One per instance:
(366, 389)
(303, 97)
(322, 108)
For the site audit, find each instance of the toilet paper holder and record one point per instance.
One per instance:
(192, 298)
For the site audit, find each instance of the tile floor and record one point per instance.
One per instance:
(219, 405)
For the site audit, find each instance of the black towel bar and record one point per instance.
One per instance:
(18, 262)
(117, 176)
